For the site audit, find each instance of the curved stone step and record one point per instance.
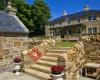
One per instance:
(38, 74)
(52, 54)
(46, 63)
(41, 68)
(57, 51)
(48, 58)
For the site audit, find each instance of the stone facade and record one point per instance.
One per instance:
(13, 37)
(9, 47)
(83, 22)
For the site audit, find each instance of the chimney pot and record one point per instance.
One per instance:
(11, 11)
(86, 8)
(64, 13)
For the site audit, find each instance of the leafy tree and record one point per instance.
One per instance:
(40, 14)
(3, 4)
(34, 16)
(23, 12)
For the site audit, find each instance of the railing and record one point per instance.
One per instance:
(76, 37)
(72, 37)
(91, 37)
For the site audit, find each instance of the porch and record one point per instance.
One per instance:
(70, 32)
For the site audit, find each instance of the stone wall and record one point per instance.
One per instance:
(92, 48)
(74, 60)
(9, 47)
(92, 51)
(85, 51)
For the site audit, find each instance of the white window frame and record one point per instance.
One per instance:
(93, 30)
(92, 18)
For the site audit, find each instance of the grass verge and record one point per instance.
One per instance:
(64, 44)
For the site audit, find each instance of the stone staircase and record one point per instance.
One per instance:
(41, 70)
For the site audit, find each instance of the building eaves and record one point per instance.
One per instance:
(75, 15)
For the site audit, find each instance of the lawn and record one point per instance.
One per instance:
(64, 44)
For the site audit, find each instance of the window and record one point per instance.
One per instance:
(94, 17)
(90, 18)
(89, 30)
(78, 20)
(92, 30)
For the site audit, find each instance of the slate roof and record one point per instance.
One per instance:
(76, 15)
(11, 24)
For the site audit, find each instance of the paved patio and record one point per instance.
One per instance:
(12, 76)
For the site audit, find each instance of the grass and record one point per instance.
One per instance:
(64, 44)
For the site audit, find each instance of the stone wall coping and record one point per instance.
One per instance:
(93, 64)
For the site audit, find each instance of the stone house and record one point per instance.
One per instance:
(84, 22)
(13, 36)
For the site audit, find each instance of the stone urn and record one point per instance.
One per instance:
(17, 69)
(17, 65)
(57, 76)
(57, 72)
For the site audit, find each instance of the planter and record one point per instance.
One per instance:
(57, 76)
(17, 68)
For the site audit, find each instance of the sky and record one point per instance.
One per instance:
(70, 6)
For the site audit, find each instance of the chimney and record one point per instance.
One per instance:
(11, 11)
(64, 13)
(86, 8)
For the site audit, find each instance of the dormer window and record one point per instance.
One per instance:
(91, 18)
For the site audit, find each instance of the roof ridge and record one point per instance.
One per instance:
(76, 14)
(23, 26)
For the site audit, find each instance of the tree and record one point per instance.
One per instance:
(23, 12)
(3, 4)
(40, 14)
(34, 16)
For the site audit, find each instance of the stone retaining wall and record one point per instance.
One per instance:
(9, 47)
(87, 50)
(92, 48)
(74, 60)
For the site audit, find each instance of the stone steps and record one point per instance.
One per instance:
(48, 58)
(46, 63)
(41, 70)
(38, 74)
(57, 51)
(53, 54)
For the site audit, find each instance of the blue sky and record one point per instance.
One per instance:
(70, 6)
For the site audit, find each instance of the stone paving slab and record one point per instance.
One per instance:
(83, 78)
(12, 76)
